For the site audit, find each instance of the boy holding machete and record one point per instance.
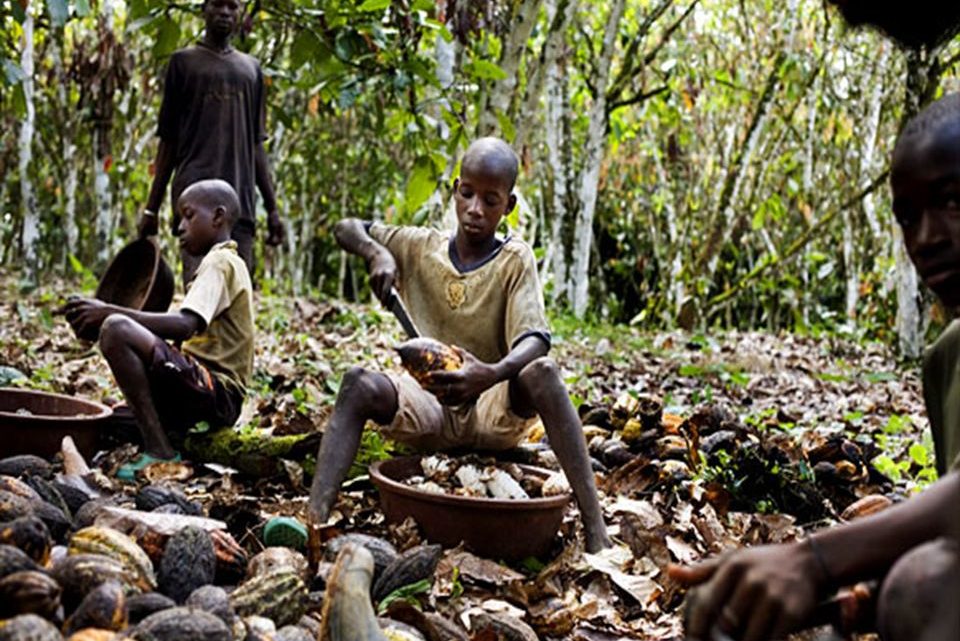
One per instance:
(480, 292)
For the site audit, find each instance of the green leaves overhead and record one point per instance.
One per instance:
(422, 182)
(168, 37)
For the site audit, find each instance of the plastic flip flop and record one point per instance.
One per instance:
(128, 471)
(285, 531)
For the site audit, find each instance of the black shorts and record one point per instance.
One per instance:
(185, 392)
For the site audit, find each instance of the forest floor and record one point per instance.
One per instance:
(762, 437)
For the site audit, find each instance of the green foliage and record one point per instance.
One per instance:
(406, 593)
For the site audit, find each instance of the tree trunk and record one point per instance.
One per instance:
(31, 224)
(593, 158)
(522, 21)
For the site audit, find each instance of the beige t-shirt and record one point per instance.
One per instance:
(485, 308)
(221, 294)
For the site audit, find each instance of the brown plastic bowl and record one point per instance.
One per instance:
(50, 418)
(139, 278)
(493, 528)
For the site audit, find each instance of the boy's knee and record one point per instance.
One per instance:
(113, 331)
(540, 369)
(371, 393)
(919, 594)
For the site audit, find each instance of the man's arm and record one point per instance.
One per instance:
(773, 589)
(275, 230)
(148, 224)
(352, 236)
(85, 314)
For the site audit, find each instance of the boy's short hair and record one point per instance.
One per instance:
(945, 111)
(493, 155)
(215, 192)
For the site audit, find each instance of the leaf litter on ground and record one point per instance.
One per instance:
(761, 438)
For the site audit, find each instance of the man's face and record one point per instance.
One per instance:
(926, 201)
(199, 224)
(222, 16)
(920, 22)
(482, 199)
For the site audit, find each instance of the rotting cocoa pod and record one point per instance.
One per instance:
(502, 626)
(150, 497)
(14, 506)
(57, 521)
(866, 506)
(438, 628)
(117, 546)
(104, 607)
(15, 486)
(74, 497)
(25, 464)
(28, 627)
(181, 624)
(87, 515)
(414, 565)
(383, 551)
(215, 600)
(189, 562)
(624, 409)
(14, 559)
(347, 611)
(278, 558)
(30, 535)
(29, 592)
(598, 416)
(78, 574)
(281, 596)
(421, 356)
(140, 606)
(650, 411)
(49, 493)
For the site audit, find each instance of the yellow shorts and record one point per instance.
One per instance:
(424, 423)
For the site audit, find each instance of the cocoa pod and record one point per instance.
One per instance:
(866, 506)
(15, 486)
(94, 634)
(503, 626)
(214, 600)
(26, 464)
(414, 565)
(231, 558)
(30, 535)
(140, 606)
(150, 497)
(29, 592)
(181, 624)
(117, 546)
(78, 574)
(189, 562)
(421, 356)
(15, 560)
(278, 558)
(28, 627)
(280, 596)
(383, 551)
(104, 607)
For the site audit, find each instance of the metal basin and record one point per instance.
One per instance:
(493, 528)
(34, 422)
(139, 278)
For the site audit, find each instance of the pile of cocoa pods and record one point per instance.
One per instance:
(83, 563)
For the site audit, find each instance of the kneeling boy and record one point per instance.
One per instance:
(170, 389)
(482, 294)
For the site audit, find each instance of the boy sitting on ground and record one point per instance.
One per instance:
(170, 389)
(481, 293)
(768, 591)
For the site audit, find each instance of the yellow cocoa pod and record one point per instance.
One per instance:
(421, 356)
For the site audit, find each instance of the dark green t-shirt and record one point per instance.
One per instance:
(213, 115)
(941, 392)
